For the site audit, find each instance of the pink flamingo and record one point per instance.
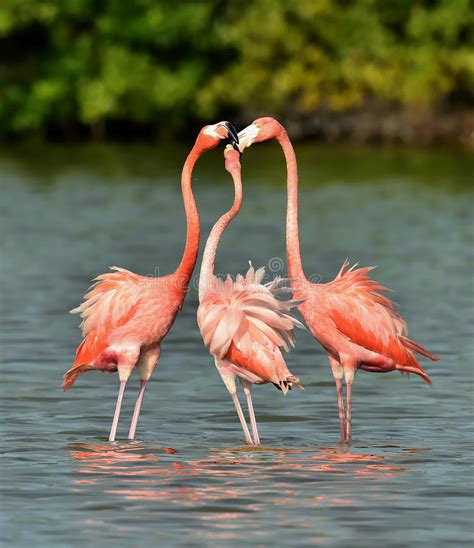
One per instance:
(357, 326)
(244, 325)
(126, 316)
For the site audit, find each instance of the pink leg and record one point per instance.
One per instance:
(338, 373)
(247, 389)
(349, 410)
(248, 439)
(118, 407)
(340, 403)
(136, 412)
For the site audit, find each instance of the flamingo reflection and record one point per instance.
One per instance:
(228, 490)
(148, 473)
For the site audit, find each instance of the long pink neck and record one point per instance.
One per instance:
(295, 267)
(191, 249)
(209, 256)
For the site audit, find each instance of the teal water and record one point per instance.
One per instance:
(407, 479)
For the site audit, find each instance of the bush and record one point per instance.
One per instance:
(73, 65)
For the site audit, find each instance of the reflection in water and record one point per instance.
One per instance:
(110, 459)
(225, 483)
(228, 491)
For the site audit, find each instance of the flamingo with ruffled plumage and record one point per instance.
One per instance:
(126, 316)
(357, 325)
(243, 323)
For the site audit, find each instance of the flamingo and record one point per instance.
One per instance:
(357, 326)
(243, 324)
(126, 316)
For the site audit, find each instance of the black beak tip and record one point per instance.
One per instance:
(233, 135)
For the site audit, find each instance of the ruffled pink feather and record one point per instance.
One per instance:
(244, 322)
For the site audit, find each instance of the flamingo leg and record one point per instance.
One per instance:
(349, 409)
(118, 407)
(228, 378)
(253, 423)
(340, 403)
(248, 438)
(136, 412)
(338, 374)
(146, 366)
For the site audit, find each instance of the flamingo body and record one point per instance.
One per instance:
(247, 327)
(125, 317)
(359, 327)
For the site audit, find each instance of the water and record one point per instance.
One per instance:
(67, 214)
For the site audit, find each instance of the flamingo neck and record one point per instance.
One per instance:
(295, 267)
(191, 249)
(210, 251)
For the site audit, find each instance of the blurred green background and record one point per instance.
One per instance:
(365, 70)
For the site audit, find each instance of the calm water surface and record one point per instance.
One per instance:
(407, 479)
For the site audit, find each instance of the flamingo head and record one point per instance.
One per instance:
(232, 158)
(210, 136)
(259, 130)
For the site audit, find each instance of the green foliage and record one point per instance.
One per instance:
(66, 65)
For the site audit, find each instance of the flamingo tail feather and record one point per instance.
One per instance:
(71, 375)
(406, 369)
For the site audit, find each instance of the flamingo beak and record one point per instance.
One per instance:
(223, 130)
(247, 136)
(232, 135)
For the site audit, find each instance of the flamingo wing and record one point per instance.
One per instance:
(368, 318)
(110, 303)
(245, 323)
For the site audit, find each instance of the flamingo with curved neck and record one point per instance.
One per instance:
(126, 316)
(357, 325)
(206, 276)
(243, 323)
